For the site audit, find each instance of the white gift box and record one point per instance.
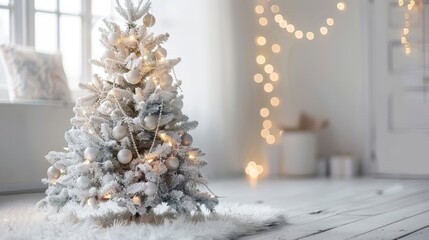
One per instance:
(343, 166)
(299, 151)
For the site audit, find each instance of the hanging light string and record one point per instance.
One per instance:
(407, 24)
(266, 48)
(292, 28)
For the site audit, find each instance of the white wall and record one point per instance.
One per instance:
(200, 33)
(28, 133)
(325, 77)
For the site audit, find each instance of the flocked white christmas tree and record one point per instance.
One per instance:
(129, 149)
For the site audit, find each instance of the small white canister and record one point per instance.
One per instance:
(343, 166)
(299, 151)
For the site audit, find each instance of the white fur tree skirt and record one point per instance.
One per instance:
(230, 222)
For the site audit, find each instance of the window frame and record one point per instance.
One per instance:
(22, 30)
(86, 27)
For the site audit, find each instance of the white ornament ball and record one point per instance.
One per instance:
(83, 182)
(107, 179)
(90, 154)
(149, 59)
(187, 139)
(150, 122)
(150, 188)
(53, 173)
(119, 132)
(172, 163)
(106, 108)
(133, 76)
(160, 53)
(114, 38)
(125, 156)
(109, 54)
(149, 20)
(137, 200)
(166, 80)
(177, 103)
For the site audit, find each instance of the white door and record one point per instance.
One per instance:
(400, 86)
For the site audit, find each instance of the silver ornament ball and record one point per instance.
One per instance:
(149, 59)
(166, 81)
(149, 20)
(172, 163)
(133, 76)
(150, 188)
(150, 122)
(119, 132)
(125, 156)
(90, 154)
(107, 179)
(53, 173)
(83, 182)
(114, 38)
(160, 53)
(187, 139)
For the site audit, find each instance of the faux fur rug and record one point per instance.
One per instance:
(230, 222)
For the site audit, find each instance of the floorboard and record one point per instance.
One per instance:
(323, 208)
(422, 234)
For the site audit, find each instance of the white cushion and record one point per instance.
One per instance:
(34, 75)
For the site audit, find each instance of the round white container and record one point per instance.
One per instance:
(299, 151)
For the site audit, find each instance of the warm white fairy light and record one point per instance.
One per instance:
(264, 112)
(259, 9)
(265, 133)
(258, 78)
(260, 59)
(407, 24)
(267, 124)
(263, 21)
(290, 28)
(299, 34)
(341, 6)
(278, 18)
(310, 35)
(268, 87)
(253, 170)
(270, 139)
(276, 48)
(275, 101)
(261, 41)
(269, 68)
(275, 8)
(274, 76)
(265, 45)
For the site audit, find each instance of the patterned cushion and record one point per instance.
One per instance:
(33, 75)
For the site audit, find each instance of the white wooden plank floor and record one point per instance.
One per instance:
(323, 208)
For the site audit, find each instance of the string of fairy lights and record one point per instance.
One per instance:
(406, 31)
(268, 77)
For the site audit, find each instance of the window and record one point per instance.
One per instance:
(5, 21)
(5, 35)
(68, 26)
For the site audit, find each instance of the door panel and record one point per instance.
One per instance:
(400, 90)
